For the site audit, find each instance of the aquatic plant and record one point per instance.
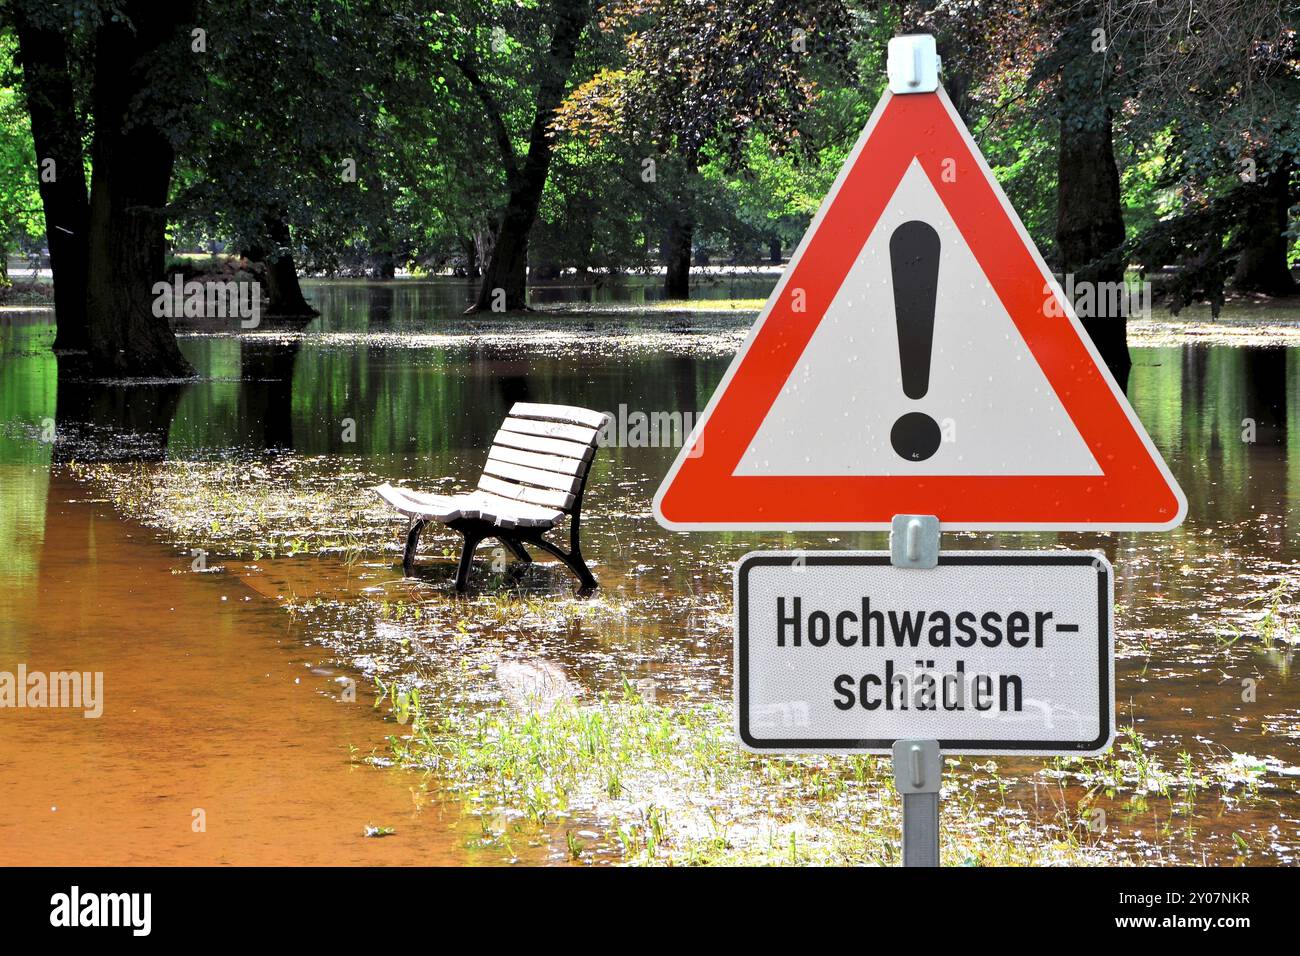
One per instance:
(1275, 624)
(666, 784)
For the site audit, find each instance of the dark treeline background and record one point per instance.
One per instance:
(512, 142)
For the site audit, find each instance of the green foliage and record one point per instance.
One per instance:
(1024, 162)
(595, 210)
(21, 221)
(746, 107)
(307, 114)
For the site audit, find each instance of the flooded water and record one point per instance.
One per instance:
(229, 573)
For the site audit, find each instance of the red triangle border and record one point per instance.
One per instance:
(1135, 491)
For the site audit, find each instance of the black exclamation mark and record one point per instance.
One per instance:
(914, 262)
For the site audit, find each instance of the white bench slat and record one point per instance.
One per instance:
(522, 474)
(559, 413)
(503, 512)
(548, 446)
(579, 433)
(419, 504)
(527, 493)
(492, 507)
(565, 466)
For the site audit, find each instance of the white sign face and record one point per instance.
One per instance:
(845, 421)
(988, 653)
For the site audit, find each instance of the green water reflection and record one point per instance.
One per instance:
(1227, 419)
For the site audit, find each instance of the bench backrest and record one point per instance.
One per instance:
(542, 453)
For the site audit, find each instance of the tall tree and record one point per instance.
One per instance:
(57, 135)
(136, 60)
(272, 251)
(699, 80)
(1217, 81)
(1262, 265)
(313, 108)
(132, 156)
(1089, 213)
(505, 276)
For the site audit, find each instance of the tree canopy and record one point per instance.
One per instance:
(514, 141)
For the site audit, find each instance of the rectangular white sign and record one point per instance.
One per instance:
(991, 652)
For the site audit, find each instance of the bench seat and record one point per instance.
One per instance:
(501, 512)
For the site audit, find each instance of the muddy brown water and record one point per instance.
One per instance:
(217, 699)
(223, 739)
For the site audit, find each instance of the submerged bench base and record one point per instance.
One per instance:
(475, 530)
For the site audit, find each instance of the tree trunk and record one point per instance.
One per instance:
(128, 195)
(470, 248)
(284, 298)
(383, 251)
(505, 280)
(484, 237)
(588, 214)
(283, 291)
(679, 237)
(677, 255)
(508, 266)
(1089, 216)
(1262, 266)
(56, 135)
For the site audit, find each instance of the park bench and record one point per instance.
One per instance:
(535, 475)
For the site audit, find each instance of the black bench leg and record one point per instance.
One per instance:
(579, 567)
(516, 548)
(573, 561)
(412, 544)
(466, 560)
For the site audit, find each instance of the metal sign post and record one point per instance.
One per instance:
(918, 767)
(918, 764)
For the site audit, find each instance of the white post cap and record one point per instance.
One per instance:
(913, 64)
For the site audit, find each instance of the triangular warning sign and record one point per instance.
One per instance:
(917, 357)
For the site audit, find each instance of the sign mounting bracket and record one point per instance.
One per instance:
(914, 541)
(913, 64)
